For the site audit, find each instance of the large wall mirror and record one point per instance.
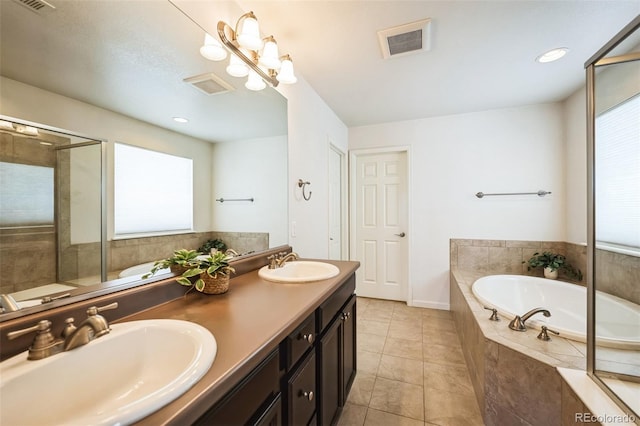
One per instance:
(613, 77)
(84, 77)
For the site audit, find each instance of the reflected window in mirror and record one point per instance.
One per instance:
(30, 203)
(153, 192)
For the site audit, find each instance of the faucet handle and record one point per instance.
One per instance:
(44, 344)
(95, 310)
(494, 314)
(543, 333)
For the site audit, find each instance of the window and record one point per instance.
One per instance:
(617, 175)
(153, 192)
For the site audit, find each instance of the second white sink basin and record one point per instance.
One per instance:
(299, 271)
(116, 379)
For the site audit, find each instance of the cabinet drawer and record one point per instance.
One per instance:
(298, 342)
(250, 399)
(302, 392)
(332, 305)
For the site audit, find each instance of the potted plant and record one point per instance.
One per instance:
(181, 261)
(213, 274)
(552, 263)
(216, 244)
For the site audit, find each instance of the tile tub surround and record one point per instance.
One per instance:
(411, 370)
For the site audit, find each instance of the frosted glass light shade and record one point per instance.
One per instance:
(255, 82)
(236, 67)
(212, 49)
(286, 74)
(269, 58)
(249, 34)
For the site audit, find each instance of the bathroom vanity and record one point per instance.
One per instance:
(286, 352)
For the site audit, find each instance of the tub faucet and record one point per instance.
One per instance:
(517, 323)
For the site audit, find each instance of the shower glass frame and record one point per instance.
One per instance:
(600, 59)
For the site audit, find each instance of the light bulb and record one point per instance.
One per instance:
(236, 67)
(286, 74)
(255, 82)
(249, 34)
(269, 58)
(212, 49)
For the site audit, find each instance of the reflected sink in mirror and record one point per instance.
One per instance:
(116, 379)
(299, 271)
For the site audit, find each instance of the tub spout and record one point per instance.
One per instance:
(517, 323)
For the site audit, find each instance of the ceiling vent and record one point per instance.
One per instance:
(209, 84)
(405, 39)
(40, 7)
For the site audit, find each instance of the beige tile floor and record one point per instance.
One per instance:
(411, 370)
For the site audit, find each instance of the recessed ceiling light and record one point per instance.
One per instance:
(552, 55)
(180, 120)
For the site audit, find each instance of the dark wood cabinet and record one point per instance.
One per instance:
(305, 381)
(254, 401)
(337, 363)
(302, 393)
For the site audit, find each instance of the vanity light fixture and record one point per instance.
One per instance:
(552, 55)
(251, 55)
(19, 128)
(180, 120)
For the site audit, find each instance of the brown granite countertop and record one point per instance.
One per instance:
(248, 322)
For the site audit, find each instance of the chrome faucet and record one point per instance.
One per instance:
(517, 323)
(45, 344)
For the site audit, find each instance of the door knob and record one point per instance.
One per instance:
(401, 235)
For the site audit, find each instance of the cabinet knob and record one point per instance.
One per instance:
(346, 316)
(308, 395)
(307, 337)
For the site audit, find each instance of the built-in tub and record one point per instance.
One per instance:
(141, 269)
(618, 320)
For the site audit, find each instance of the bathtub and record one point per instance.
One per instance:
(141, 269)
(618, 321)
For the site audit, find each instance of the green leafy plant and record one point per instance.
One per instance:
(217, 244)
(214, 265)
(183, 259)
(553, 261)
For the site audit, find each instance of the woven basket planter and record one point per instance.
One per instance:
(217, 285)
(177, 269)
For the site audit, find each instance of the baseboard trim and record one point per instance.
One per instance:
(429, 305)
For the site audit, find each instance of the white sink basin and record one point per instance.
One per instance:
(299, 271)
(116, 379)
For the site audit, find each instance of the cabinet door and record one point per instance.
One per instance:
(348, 348)
(329, 373)
(302, 393)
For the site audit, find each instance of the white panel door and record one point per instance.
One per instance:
(335, 204)
(381, 225)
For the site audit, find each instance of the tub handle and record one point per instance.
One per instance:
(543, 333)
(494, 314)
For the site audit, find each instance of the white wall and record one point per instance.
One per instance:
(312, 127)
(452, 158)
(575, 122)
(254, 168)
(19, 100)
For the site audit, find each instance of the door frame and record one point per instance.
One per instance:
(353, 155)
(344, 208)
